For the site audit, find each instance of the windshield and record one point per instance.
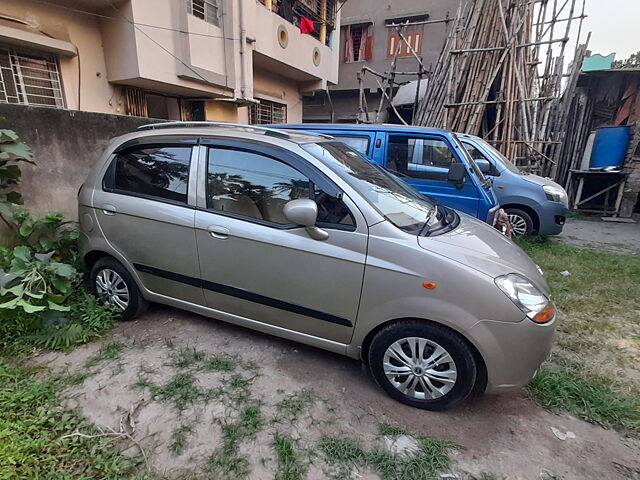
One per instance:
(403, 206)
(493, 151)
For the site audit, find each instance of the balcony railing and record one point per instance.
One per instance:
(321, 12)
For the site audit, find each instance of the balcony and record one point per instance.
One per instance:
(321, 12)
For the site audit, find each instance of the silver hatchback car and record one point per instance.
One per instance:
(298, 236)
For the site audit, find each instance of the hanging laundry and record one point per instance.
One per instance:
(306, 25)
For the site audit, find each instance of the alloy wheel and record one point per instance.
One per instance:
(420, 368)
(112, 289)
(518, 224)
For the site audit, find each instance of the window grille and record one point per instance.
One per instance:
(207, 10)
(267, 112)
(30, 78)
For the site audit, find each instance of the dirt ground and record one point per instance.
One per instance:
(617, 237)
(507, 436)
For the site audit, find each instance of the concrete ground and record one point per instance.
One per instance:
(507, 436)
(611, 236)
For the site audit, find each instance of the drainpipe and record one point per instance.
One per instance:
(323, 25)
(243, 53)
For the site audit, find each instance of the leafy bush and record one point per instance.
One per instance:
(12, 152)
(34, 283)
(44, 233)
(85, 320)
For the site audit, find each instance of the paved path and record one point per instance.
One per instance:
(611, 236)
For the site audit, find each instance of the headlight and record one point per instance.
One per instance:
(556, 194)
(526, 297)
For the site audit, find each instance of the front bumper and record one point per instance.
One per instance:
(492, 215)
(552, 216)
(512, 351)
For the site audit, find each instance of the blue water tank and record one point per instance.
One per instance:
(610, 146)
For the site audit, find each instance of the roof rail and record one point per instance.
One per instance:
(186, 124)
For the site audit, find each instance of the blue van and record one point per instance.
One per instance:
(433, 161)
(533, 204)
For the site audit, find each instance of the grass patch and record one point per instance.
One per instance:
(181, 391)
(31, 426)
(601, 283)
(191, 358)
(293, 406)
(427, 463)
(111, 351)
(179, 439)
(226, 462)
(289, 464)
(589, 399)
(597, 352)
(86, 320)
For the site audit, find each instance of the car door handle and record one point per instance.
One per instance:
(108, 209)
(218, 232)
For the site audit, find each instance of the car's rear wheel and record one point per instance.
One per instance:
(115, 286)
(422, 364)
(521, 222)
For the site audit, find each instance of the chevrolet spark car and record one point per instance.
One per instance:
(298, 236)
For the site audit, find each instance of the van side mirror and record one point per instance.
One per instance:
(484, 166)
(304, 212)
(457, 172)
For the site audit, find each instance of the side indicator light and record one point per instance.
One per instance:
(429, 285)
(545, 314)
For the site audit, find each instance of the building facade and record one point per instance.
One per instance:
(369, 39)
(223, 60)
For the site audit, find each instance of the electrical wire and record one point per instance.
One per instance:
(188, 67)
(139, 24)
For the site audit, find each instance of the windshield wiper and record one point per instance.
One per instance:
(425, 229)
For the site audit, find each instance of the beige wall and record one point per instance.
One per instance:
(82, 31)
(113, 53)
(221, 112)
(269, 86)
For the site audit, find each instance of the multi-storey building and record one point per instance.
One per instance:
(226, 60)
(369, 38)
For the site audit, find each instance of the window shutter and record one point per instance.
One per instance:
(368, 48)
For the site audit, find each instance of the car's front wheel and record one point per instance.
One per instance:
(422, 364)
(115, 286)
(520, 221)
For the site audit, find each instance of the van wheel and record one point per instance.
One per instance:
(521, 222)
(115, 286)
(423, 365)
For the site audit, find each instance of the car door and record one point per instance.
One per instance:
(257, 265)
(423, 161)
(146, 209)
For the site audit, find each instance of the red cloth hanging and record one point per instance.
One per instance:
(306, 25)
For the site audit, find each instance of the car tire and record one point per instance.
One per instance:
(521, 222)
(113, 284)
(456, 365)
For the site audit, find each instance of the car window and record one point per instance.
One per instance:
(360, 143)
(160, 172)
(474, 152)
(257, 186)
(422, 158)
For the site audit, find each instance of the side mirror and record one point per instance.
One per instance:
(457, 172)
(304, 212)
(484, 166)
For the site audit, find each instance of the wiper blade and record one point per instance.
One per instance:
(425, 229)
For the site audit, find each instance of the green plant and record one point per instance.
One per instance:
(35, 283)
(12, 152)
(290, 465)
(37, 441)
(43, 233)
(588, 398)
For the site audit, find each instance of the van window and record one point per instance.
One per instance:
(359, 143)
(422, 158)
(256, 186)
(160, 172)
